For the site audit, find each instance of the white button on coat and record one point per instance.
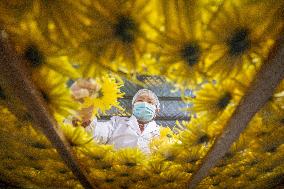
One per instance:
(124, 132)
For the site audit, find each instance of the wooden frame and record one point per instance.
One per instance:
(266, 80)
(14, 74)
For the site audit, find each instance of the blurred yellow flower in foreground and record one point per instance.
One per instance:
(240, 35)
(117, 36)
(55, 93)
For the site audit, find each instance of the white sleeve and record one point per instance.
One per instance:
(102, 131)
(157, 133)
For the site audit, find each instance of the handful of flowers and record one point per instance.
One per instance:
(81, 89)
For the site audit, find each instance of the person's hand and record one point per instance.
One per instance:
(86, 113)
(83, 117)
(76, 122)
(83, 88)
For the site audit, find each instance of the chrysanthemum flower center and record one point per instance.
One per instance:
(236, 174)
(282, 121)
(270, 99)
(252, 177)
(34, 56)
(126, 29)
(170, 180)
(38, 167)
(44, 96)
(191, 159)
(189, 170)
(203, 139)
(97, 157)
(170, 157)
(27, 117)
(261, 133)
(216, 183)
(271, 148)
(191, 53)
(124, 174)
(9, 157)
(31, 157)
(9, 167)
(38, 145)
(62, 171)
(106, 166)
(268, 169)
(2, 94)
(224, 100)
(130, 164)
(109, 180)
(169, 136)
(100, 94)
(157, 171)
(239, 42)
(253, 162)
(124, 187)
(229, 155)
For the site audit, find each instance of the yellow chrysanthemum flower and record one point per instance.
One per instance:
(104, 179)
(192, 155)
(209, 183)
(55, 19)
(269, 178)
(117, 34)
(9, 100)
(167, 137)
(273, 110)
(156, 165)
(107, 96)
(270, 142)
(55, 93)
(180, 43)
(258, 128)
(173, 178)
(125, 173)
(240, 35)
(276, 122)
(36, 140)
(39, 52)
(14, 10)
(131, 176)
(76, 136)
(169, 151)
(271, 162)
(107, 163)
(197, 133)
(214, 100)
(238, 146)
(130, 157)
(97, 152)
(232, 171)
(140, 176)
(28, 159)
(245, 77)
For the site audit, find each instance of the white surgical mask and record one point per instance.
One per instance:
(144, 111)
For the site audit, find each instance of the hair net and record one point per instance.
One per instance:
(148, 92)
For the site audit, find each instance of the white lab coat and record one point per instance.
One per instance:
(124, 132)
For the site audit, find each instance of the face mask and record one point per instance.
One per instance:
(144, 111)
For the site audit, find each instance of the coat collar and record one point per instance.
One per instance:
(149, 127)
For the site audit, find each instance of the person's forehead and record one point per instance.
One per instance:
(145, 96)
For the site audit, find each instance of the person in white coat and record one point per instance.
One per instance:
(135, 131)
